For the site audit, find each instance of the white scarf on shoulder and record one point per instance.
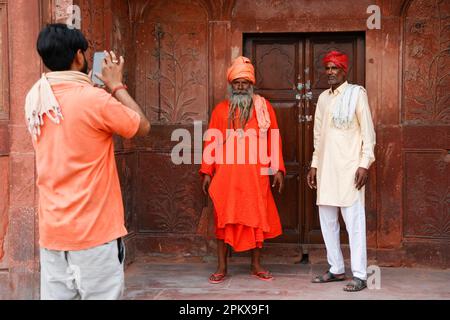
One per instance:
(41, 100)
(345, 107)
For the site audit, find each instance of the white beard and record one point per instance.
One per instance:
(242, 101)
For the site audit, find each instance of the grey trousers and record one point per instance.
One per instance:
(92, 274)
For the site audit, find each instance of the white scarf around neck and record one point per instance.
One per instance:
(41, 100)
(345, 107)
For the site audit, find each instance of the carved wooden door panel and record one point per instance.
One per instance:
(277, 61)
(287, 67)
(171, 82)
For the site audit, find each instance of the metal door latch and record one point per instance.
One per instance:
(302, 118)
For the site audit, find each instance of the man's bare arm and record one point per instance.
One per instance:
(112, 75)
(124, 97)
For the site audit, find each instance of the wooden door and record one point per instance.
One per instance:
(282, 61)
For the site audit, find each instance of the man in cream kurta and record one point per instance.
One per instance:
(344, 140)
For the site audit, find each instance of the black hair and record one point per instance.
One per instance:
(58, 44)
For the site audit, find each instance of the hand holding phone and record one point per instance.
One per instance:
(99, 57)
(108, 69)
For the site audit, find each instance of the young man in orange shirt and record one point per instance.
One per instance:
(81, 216)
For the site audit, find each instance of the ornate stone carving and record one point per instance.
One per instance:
(427, 205)
(176, 76)
(166, 203)
(171, 56)
(426, 75)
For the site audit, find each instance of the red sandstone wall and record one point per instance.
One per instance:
(158, 33)
(406, 72)
(4, 133)
(17, 172)
(398, 229)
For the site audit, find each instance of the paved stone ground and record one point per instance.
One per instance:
(166, 280)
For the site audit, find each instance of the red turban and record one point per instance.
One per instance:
(241, 68)
(338, 58)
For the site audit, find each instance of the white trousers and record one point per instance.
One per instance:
(93, 274)
(355, 222)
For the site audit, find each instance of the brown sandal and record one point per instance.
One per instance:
(329, 277)
(355, 285)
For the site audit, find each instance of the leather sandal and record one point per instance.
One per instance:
(355, 285)
(329, 277)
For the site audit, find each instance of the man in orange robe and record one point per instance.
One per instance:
(245, 211)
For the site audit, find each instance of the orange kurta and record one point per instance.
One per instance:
(244, 207)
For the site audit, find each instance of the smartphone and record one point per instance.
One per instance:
(97, 67)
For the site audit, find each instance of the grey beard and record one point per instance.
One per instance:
(241, 101)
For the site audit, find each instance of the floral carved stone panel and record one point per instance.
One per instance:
(169, 198)
(427, 196)
(172, 63)
(426, 70)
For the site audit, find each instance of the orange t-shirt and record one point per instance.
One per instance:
(80, 201)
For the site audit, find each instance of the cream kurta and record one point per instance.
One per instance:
(338, 153)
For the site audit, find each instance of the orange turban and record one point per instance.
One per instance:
(241, 68)
(338, 58)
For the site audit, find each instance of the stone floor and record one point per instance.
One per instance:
(166, 280)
